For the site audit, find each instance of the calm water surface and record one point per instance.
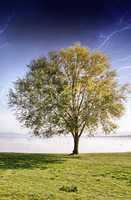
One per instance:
(26, 143)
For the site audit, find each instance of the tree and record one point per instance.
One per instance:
(70, 91)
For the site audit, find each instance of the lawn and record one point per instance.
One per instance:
(63, 177)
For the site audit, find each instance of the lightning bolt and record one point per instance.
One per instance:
(107, 38)
(111, 35)
(4, 28)
(121, 27)
(122, 19)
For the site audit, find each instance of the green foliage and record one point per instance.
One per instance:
(71, 91)
(40, 176)
(71, 188)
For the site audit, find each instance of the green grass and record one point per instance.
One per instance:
(62, 177)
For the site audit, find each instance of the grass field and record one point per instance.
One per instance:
(62, 177)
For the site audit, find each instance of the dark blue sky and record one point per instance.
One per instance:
(31, 28)
(37, 26)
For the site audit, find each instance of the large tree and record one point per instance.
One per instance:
(71, 91)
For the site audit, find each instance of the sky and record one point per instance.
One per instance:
(29, 29)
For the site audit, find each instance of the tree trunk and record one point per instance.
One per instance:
(76, 145)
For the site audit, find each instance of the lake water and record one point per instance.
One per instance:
(25, 143)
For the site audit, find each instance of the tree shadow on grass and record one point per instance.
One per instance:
(29, 161)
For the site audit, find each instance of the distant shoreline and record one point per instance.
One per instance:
(29, 136)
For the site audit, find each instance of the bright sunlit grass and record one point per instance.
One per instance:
(62, 177)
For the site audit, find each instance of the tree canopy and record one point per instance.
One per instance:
(72, 90)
